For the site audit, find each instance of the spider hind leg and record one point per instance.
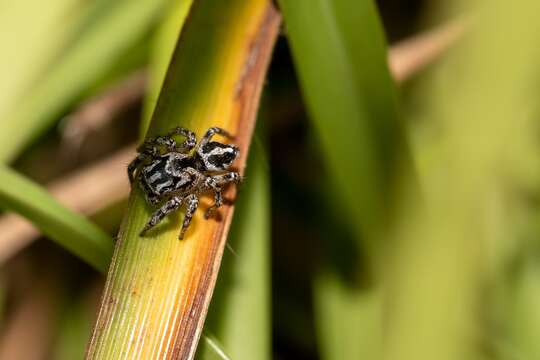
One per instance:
(192, 203)
(167, 208)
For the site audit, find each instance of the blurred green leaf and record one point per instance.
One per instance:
(482, 143)
(115, 29)
(68, 229)
(348, 320)
(75, 325)
(25, 54)
(339, 52)
(352, 102)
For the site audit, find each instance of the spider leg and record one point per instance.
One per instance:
(169, 143)
(170, 206)
(211, 132)
(192, 205)
(230, 177)
(215, 183)
(151, 145)
(134, 166)
(218, 201)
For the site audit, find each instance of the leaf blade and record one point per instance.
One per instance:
(68, 229)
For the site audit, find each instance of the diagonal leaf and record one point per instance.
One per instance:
(71, 231)
(159, 288)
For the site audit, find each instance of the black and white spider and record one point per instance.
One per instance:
(172, 174)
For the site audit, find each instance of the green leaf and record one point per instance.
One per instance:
(352, 103)
(339, 52)
(75, 324)
(68, 229)
(348, 319)
(116, 28)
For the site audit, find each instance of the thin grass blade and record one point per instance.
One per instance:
(68, 229)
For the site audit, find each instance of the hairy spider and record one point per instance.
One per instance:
(172, 174)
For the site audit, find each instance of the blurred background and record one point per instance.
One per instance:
(462, 273)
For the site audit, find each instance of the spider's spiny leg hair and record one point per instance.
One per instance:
(170, 206)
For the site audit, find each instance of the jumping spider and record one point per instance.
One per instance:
(174, 174)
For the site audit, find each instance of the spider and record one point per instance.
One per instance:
(173, 174)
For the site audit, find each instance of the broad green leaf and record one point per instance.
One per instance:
(92, 54)
(69, 230)
(352, 103)
(159, 287)
(339, 52)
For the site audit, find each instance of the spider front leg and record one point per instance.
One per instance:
(192, 202)
(167, 208)
(215, 183)
(134, 166)
(211, 132)
(170, 144)
(146, 152)
(189, 143)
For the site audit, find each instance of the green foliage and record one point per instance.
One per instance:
(71, 231)
(455, 274)
(112, 28)
(464, 272)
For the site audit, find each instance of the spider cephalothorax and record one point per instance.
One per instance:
(172, 174)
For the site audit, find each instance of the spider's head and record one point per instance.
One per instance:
(217, 156)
